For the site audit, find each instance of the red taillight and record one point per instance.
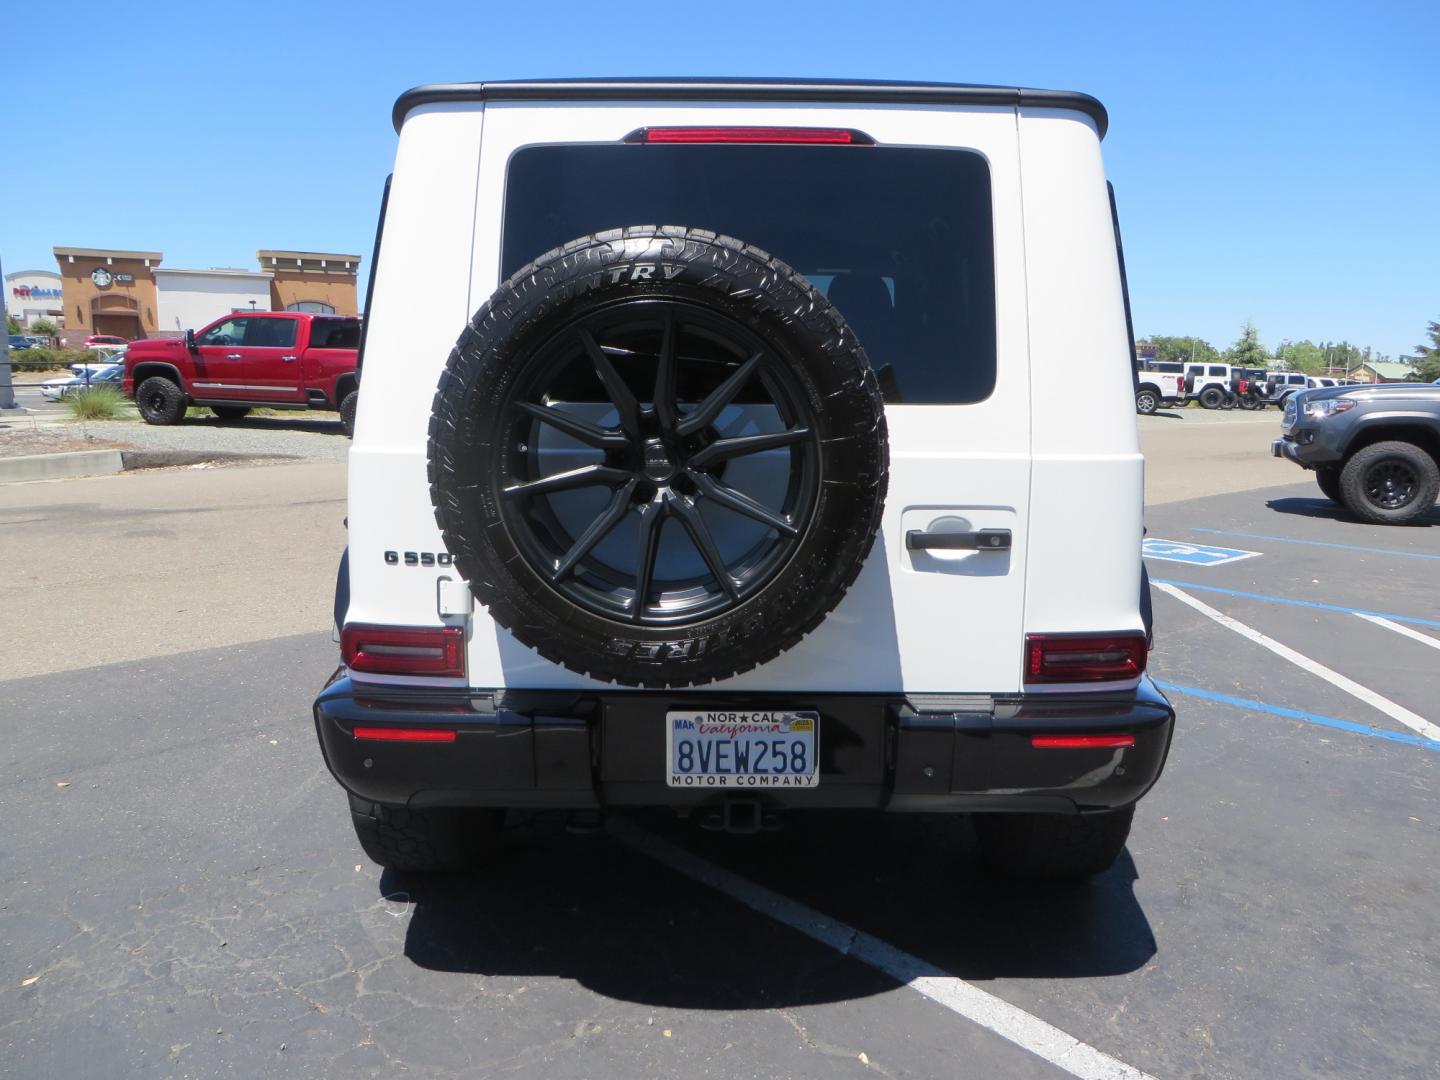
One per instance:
(805, 135)
(1081, 742)
(1075, 658)
(404, 650)
(405, 734)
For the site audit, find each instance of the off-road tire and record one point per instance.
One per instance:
(432, 840)
(1212, 397)
(160, 401)
(1055, 846)
(1328, 477)
(1146, 401)
(809, 339)
(347, 412)
(231, 412)
(1356, 475)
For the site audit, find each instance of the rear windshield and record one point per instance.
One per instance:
(898, 238)
(335, 334)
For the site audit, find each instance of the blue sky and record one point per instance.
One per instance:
(1274, 162)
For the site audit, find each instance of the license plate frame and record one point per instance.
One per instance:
(747, 730)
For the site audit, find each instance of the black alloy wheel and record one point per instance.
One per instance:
(658, 456)
(662, 448)
(1391, 483)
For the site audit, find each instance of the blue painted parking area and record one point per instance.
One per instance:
(1192, 554)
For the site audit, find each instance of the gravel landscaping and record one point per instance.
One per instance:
(302, 436)
(53, 440)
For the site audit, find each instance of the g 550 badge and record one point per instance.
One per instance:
(418, 558)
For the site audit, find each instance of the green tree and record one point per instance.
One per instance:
(1303, 356)
(1172, 348)
(12, 326)
(44, 328)
(1427, 357)
(1247, 350)
(1341, 355)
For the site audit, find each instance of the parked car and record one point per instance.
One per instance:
(1373, 449)
(1281, 384)
(18, 342)
(277, 359)
(106, 375)
(1154, 388)
(1208, 383)
(96, 340)
(92, 366)
(745, 524)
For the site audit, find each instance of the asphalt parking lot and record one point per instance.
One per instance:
(181, 895)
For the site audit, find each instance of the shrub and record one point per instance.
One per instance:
(99, 403)
(51, 359)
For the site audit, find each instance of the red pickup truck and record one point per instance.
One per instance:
(279, 359)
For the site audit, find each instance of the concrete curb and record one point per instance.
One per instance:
(66, 466)
(14, 470)
(165, 459)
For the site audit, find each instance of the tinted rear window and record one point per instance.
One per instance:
(335, 334)
(899, 239)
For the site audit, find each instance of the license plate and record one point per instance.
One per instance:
(749, 750)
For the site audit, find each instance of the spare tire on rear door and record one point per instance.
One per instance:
(658, 455)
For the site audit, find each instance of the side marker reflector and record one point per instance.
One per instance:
(1082, 742)
(405, 734)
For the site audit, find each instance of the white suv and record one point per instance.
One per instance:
(738, 468)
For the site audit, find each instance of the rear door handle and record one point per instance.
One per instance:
(288, 359)
(232, 356)
(983, 540)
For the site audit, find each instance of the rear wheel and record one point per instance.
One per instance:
(432, 840)
(347, 412)
(230, 412)
(1212, 397)
(1329, 480)
(1053, 845)
(1146, 401)
(160, 401)
(1390, 483)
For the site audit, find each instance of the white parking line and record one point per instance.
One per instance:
(990, 1012)
(1314, 667)
(1378, 621)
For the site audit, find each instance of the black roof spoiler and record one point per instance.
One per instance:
(822, 90)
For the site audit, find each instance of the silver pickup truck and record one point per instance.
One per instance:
(1373, 448)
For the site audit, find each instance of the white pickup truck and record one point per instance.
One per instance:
(1159, 382)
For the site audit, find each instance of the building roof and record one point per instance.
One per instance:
(327, 262)
(859, 91)
(217, 271)
(1389, 369)
(32, 273)
(106, 253)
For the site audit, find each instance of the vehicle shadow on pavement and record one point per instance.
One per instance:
(594, 911)
(271, 423)
(1329, 511)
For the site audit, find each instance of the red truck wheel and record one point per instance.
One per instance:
(160, 401)
(347, 412)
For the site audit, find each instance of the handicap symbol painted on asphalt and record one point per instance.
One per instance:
(1194, 554)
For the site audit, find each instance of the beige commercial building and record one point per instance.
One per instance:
(311, 281)
(126, 294)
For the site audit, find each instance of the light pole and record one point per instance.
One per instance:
(7, 385)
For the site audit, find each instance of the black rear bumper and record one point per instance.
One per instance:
(879, 751)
